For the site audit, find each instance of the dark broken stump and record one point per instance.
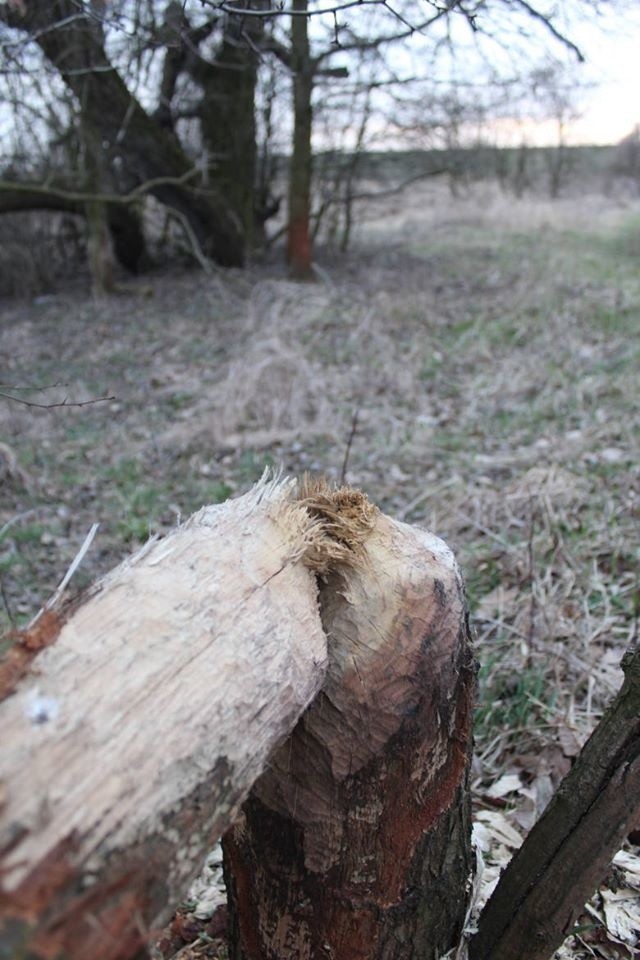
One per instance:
(356, 842)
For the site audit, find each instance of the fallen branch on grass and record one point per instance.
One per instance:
(52, 406)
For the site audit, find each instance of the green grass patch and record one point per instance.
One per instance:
(510, 697)
(135, 502)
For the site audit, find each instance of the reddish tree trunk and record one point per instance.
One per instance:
(356, 842)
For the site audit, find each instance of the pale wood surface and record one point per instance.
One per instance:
(168, 688)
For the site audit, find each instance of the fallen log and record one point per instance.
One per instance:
(131, 740)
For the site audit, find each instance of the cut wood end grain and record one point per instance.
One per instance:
(342, 520)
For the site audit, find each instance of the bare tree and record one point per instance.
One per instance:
(132, 146)
(310, 58)
(556, 91)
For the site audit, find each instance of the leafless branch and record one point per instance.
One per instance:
(281, 10)
(376, 42)
(7, 605)
(51, 406)
(13, 21)
(553, 30)
(194, 243)
(18, 518)
(28, 388)
(350, 439)
(399, 187)
(397, 15)
(79, 196)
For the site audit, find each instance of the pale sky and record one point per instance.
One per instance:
(613, 109)
(607, 86)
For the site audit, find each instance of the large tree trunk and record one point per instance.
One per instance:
(227, 109)
(227, 114)
(355, 844)
(129, 743)
(299, 234)
(99, 249)
(148, 151)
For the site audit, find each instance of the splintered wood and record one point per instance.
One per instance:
(131, 741)
(138, 732)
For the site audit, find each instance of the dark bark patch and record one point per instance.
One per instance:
(440, 593)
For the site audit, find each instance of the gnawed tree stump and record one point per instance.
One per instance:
(134, 736)
(356, 842)
(131, 740)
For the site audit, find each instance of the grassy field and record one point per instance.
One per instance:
(485, 355)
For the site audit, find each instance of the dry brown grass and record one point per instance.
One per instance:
(491, 350)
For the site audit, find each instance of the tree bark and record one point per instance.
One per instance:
(568, 851)
(99, 249)
(299, 234)
(355, 844)
(227, 113)
(146, 149)
(130, 741)
(127, 237)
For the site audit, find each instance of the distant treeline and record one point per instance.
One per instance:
(528, 165)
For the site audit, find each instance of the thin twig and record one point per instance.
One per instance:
(18, 517)
(30, 388)
(531, 577)
(7, 605)
(487, 532)
(398, 188)
(408, 508)
(537, 15)
(281, 10)
(352, 433)
(51, 406)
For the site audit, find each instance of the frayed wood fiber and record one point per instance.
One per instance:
(343, 519)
